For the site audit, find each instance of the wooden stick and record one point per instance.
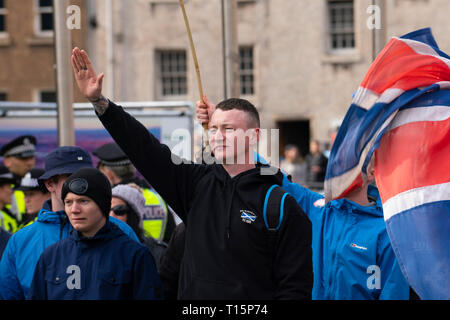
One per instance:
(197, 69)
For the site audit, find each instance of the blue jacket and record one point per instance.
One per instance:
(352, 255)
(107, 266)
(26, 245)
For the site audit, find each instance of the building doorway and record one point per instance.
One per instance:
(294, 132)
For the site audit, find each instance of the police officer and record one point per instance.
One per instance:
(19, 157)
(7, 219)
(35, 195)
(158, 222)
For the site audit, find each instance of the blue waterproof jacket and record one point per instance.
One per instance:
(26, 245)
(352, 254)
(108, 265)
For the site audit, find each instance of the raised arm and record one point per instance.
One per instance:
(88, 81)
(173, 180)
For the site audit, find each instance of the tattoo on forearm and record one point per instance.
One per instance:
(100, 105)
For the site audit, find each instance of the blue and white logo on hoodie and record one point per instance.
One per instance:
(247, 216)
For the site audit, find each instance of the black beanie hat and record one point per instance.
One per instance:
(92, 183)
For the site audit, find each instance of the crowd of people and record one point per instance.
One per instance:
(72, 231)
(308, 170)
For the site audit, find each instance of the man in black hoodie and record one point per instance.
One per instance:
(228, 249)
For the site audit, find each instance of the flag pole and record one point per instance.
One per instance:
(197, 68)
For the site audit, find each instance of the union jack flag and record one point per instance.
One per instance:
(401, 115)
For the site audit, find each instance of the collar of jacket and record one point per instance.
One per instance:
(222, 175)
(108, 231)
(350, 206)
(48, 216)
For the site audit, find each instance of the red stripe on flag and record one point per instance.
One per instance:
(399, 66)
(411, 156)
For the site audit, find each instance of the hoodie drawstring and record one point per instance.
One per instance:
(227, 227)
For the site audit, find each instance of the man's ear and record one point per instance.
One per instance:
(254, 136)
(371, 170)
(109, 174)
(50, 185)
(7, 162)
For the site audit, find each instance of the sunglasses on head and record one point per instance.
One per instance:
(120, 210)
(78, 186)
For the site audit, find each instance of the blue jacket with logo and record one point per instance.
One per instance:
(108, 266)
(26, 245)
(352, 255)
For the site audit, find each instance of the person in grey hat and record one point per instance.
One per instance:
(25, 246)
(19, 157)
(159, 221)
(35, 195)
(128, 205)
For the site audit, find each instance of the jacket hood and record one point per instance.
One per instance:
(46, 214)
(375, 209)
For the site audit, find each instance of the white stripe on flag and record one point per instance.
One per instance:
(415, 197)
(424, 49)
(390, 95)
(445, 85)
(365, 98)
(430, 113)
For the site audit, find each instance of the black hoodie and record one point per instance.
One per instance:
(225, 257)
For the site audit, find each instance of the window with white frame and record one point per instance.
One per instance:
(341, 22)
(3, 13)
(172, 72)
(246, 67)
(44, 17)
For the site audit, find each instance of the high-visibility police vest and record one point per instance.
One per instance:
(8, 221)
(23, 225)
(155, 217)
(17, 206)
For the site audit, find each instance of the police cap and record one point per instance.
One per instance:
(22, 147)
(111, 155)
(6, 176)
(30, 181)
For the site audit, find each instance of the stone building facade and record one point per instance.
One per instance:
(27, 56)
(300, 83)
(301, 59)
